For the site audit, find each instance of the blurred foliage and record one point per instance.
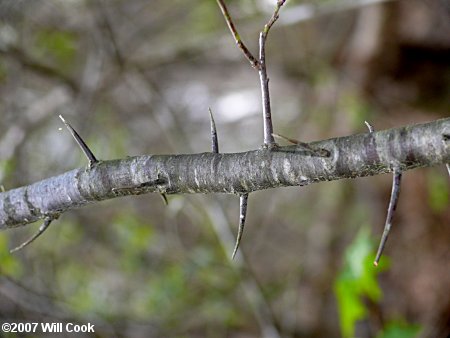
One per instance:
(7, 168)
(357, 280)
(399, 329)
(357, 284)
(438, 190)
(357, 110)
(3, 73)
(131, 262)
(58, 47)
(204, 17)
(9, 264)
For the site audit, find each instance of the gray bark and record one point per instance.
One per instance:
(236, 173)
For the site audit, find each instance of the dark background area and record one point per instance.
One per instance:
(137, 77)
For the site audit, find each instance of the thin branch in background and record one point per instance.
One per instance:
(264, 80)
(397, 177)
(214, 138)
(84, 148)
(370, 127)
(41, 230)
(243, 199)
(253, 61)
(306, 146)
(39, 68)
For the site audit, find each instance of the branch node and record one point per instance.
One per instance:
(397, 177)
(214, 137)
(243, 199)
(84, 148)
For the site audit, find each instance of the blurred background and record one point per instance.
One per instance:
(137, 77)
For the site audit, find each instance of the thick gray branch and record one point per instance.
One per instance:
(353, 156)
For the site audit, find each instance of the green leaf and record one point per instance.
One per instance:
(356, 280)
(60, 46)
(357, 110)
(9, 264)
(438, 191)
(399, 329)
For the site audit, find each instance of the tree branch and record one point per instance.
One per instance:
(253, 61)
(237, 173)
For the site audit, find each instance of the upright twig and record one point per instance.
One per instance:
(253, 61)
(84, 148)
(397, 176)
(214, 137)
(260, 65)
(243, 199)
(264, 80)
(41, 230)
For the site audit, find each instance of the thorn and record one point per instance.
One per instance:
(397, 176)
(317, 151)
(164, 198)
(370, 127)
(214, 138)
(41, 230)
(291, 140)
(445, 139)
(84, 148)
(243, 199)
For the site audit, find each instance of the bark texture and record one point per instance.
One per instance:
(236, 173)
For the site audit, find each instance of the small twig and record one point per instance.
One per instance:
(274, 17)
(243, 199)
(319, 152)
(253, 61)
(370, 127)
(214, 138)
(41, 230)
(84, 148)
(397, 176)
